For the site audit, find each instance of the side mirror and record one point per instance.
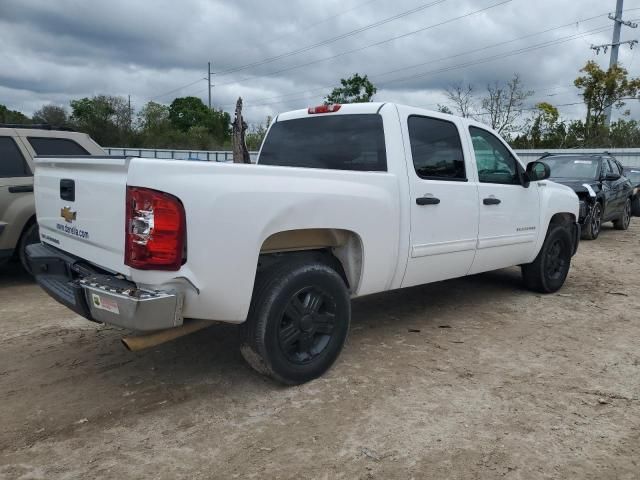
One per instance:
(537, 171)
(612, 177)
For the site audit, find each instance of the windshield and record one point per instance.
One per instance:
(633, 175)
(572, 167)
(338, 142)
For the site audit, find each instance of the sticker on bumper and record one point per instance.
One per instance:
(105, 304)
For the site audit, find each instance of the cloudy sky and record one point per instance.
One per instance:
(281, 55)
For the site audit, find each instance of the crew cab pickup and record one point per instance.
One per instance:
(345, 201)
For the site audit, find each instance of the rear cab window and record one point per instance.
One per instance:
(12, 162)
(56, 146)
(335, 142)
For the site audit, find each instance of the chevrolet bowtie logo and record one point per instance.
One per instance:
(68, 214)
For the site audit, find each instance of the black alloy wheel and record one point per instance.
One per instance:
(307, 325)
(625, 218)
(556, 260)
(548, 272)
(298, 320)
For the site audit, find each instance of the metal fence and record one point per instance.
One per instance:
(196, 155)
(629, 157)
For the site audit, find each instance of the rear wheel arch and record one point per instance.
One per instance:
(338, 248)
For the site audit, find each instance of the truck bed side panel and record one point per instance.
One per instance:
(232, 209)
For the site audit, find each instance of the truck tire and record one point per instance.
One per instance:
(30, 236)
(547, 273)
(622, 223)
(298, 321)
(591, 228)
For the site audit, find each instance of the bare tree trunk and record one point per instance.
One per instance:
(240, 151)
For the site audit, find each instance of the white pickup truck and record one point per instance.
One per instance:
(345, 201)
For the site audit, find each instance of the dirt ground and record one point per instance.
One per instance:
(471, 378)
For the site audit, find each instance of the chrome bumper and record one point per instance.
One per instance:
(130, 307)
(100, 296)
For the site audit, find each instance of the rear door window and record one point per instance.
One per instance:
(56, 146)
(12, 162)
(335, 142)
(436, 149)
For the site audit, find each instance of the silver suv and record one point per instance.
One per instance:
(18, 145)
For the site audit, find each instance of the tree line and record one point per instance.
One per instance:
(187, 123)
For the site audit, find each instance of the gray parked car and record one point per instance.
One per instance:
(18, 145)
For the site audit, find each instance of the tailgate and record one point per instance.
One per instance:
(80, 205)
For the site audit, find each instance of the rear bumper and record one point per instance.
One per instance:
(100, 296)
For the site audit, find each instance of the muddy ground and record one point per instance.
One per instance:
(471, 378)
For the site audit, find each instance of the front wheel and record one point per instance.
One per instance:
(547, 273)
(591, 229)
(298, 321)
(622, 223)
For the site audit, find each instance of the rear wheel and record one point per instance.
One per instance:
(622, 223)
(591, 230)
(298, 321)
(30, 236)
(548, 272)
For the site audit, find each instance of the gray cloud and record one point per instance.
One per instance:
(51, 52)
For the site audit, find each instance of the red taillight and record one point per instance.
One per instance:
(324, 108)
(155, 230)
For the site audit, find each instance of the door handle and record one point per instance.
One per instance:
(491, 201)
(21, 189)
(68, 189)
(427, 201)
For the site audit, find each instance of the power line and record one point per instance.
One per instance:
(467, 52)
(174, 90)
(321, 21)
(376, 44)
(332, 39)
(365, 47)
(500, 56)
(511, 53)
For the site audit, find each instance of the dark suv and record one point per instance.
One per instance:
(633, 174)
(605, 193)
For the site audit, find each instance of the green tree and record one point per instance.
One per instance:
(153, 127)
(256, 134)
(105, 118)
(602, 89)
(544, 125)
(52, 115)
(355, 89)
(188, 112)
(12, 116)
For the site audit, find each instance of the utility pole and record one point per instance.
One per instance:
(615, 47)
(209, 82)
(130, 114)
